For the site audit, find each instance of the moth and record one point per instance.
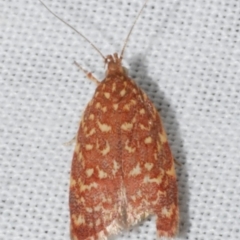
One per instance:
(122, 168)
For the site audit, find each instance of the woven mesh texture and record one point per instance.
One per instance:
(184, 54)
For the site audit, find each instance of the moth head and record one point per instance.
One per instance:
(114, 65)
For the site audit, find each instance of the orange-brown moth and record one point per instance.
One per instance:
(122, 167)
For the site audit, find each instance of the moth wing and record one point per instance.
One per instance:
(95, 186)
(148, 166)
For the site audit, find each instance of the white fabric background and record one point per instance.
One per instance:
(184, 54)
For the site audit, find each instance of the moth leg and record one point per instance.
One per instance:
(88, 74)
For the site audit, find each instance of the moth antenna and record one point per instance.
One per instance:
(126, 40)
(74, 29)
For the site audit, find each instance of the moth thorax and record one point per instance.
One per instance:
(114, 65)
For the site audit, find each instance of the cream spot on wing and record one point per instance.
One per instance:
(77, 148)
(116, 167)
(113, 87)
(165, 211)
(163, 138)
(134, 120)
(92, 131)
(89, 146)
(123, 92)
(97, 105)
(80, 157)
(104, 127)
(106, 150)
(129, 105)
(159, 146)
(115, 106)
(157, 180)
(148, 166)
(137, 196)
(143, 127)
(134, 198)
(72, 182)
(80, 220)
(89, 172)
(85, 129)
(98, 207)
(168, 211)
(134, 90)
(102, 174)
(145, 96)
(98, 222)
(84, 187)
(91, 117)
(90, 225)
(148, 140)
(126, 107)
(133, 102)
(104, 109)
(135, 171)
(89, 210)
(128, 148)
(171, 172)
(107, 95)
(127, 126)
(142, 111)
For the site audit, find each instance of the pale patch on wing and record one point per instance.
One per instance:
(163, 138)
(106, 150)
(89, 146)
(113, 87)
(104, 109)
(128, 148)
(127, 126)
(98, 222)
(115, 106)
(77, 148)
(107, 95)
(91, 117)
(123, 92)
(129, 105)
(144, 127)
(157, 180)
(142, 111)
(84, 187)
(104, 127)
(148, 140)
(99, 106)
(92, 131)
(80, 220)
(102, 174)
(135, 171)
(148, 166)
(116, 167)
(72, 182)
(89, 172)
